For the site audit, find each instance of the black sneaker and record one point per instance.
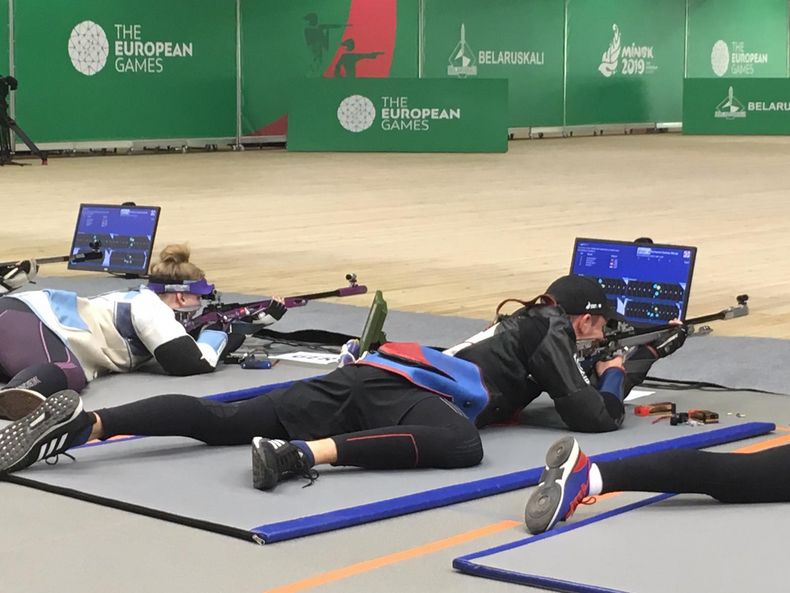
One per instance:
(55, 426)
(274, 460)
(16, 403)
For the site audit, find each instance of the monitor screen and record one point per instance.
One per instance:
(647, 283)
(124, 234)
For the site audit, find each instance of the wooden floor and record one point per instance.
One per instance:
(448, 234)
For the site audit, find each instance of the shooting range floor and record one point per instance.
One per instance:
(72, 545)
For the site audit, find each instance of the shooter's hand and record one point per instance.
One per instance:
(603, 365)
(274, 312)
(19, 275)
(670, 343)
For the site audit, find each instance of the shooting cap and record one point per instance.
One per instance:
(578, 295)
(198, 287)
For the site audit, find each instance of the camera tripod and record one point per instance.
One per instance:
(8, 125)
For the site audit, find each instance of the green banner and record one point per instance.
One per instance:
(410, 115)
(736, 106)
(126, 69)
(520, 40)
(287, 41)
(732, 38)
(625, 61)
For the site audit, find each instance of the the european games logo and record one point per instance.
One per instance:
(720, 58)
(730, 108)
(462, 60)
(88, 48)
(356, 113)
(734, 59)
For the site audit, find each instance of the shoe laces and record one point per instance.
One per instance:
(581, 498)
(53, 459)
(292, 461)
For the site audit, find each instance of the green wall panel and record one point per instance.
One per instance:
(126, 69)
(625, 61)
(520, 40)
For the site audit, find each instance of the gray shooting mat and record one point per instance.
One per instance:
(651, 545)
(734, 362)
(683, 544)
(210, 487)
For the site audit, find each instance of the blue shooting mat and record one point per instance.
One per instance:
(184, 481)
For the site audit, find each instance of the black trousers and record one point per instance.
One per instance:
(727, 477)
(377, 420)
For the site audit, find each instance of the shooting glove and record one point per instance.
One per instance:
(274, 312)
(666, 346)
(18, 275)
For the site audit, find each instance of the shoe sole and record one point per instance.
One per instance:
(18, 403)
(18, 441)
(544, 504)
(263, 460)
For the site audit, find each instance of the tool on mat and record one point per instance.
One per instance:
(694, 417)
(252, 361)
(704, 416)
(657, 408)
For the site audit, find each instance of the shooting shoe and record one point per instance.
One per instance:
(55, 426)
(16, 403)
(275, 460)
(563, 485)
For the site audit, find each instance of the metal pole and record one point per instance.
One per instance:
(565, 73)
(11, 69)
(686, 45)
(238, 73)
(421, 39)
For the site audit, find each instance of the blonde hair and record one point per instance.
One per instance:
(174, 265)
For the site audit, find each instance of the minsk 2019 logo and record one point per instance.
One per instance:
(88, 48)
(356, 113)
(627, 60)
(611, 56)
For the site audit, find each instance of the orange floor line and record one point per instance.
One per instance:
(763, 445)
(374, 563)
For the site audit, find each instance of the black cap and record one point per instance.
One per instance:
(578, 295)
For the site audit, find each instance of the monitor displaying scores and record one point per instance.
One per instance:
(125, 235)
(647, 283)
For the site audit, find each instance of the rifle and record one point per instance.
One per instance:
(631, 337)
(15, 274)
(227, 313)
(76, 258)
